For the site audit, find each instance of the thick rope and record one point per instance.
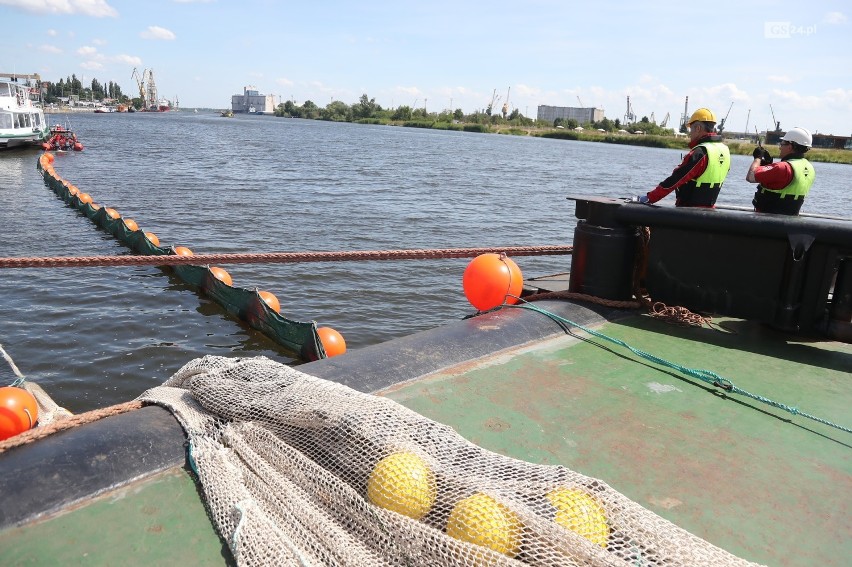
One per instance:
(67, 423)
(706, 376)
(278, 257)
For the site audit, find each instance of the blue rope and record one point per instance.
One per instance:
(706, 376)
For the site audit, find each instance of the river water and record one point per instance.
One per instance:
(100, 336)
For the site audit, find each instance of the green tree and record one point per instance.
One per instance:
(402, 113)
(458, 114)
(365, 108)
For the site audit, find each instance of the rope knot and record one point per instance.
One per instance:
(724, 383)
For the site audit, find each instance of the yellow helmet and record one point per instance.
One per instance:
(702, 115)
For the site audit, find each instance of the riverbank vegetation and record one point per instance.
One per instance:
(641, 133)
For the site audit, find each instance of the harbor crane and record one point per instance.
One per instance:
(494, 98)
(141, 84)
(629, 116)
(665, 121)
(777, 124)
(580, 101)
(685, 116)
(506, 103)
(653, 118)
(722, 122)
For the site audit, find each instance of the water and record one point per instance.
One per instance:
(100, 336)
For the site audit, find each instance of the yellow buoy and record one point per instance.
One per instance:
(153, 238)
(480, 519)
(580, 512)
(112, 213)
(131, 225)
(404, 483)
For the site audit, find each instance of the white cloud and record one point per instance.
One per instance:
(284, 82)
(52, 33)
(87, 51)
(91, 65)
(49, 49)
(99, 41)
(779, 79)
(835, 18)
(128, 59)
(94, 8)
(156, 32)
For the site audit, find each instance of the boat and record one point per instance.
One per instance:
(103, 109)
(573, 424)
(227, 113)
(62, 138)
(22, 120)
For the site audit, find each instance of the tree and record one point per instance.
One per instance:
(402, 113)
(365, 108)
(458, 114)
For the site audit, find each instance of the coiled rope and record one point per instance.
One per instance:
(277, 257)
(706, 376)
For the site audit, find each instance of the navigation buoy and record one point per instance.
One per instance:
(402, 482)
(580, 512)
(18, 411)
(153, 238)
(221, 275)
(183, 251)
(332, 341)
(492, 279)
(112, 213)
(131, 225)
(482, 520)
(270, 299)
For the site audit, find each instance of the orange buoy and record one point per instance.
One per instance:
(95, 206)
(270, 300)
(131, 225)
(112, 213)
(153, 238)
(492, 279)
(18, 411)
(50, 157)
(221, 275)
(332, 341)
(73, 189)
(183, 251)
(84, 198)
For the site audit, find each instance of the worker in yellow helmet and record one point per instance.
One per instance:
(699, 177)
(783, 185)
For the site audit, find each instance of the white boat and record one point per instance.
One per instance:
(22, 120)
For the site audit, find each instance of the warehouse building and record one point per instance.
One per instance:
(252, 102)
(581, 115)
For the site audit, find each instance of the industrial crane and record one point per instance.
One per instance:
(665, 121)
(494, 99)
(722, 122)
(506, 104)
(777, 124)
(140, 83)
(685, 116)
(580, 101)
(629, 116)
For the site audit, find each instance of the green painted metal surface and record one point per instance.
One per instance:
(158, 521)
(755, 480)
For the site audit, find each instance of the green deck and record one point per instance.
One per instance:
(158, 521)
(757, 481)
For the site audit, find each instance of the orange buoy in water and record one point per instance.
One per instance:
(270, 299)
(332, 341)
(221, 275)
(50, 157)
(85, 198)
(153, 238)
(492, 279)
(18, 411)
(131, 225)
(183, 251)
(95, 206)
(112, 213)
(73, 190)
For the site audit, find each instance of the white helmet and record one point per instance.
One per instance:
(800, 136)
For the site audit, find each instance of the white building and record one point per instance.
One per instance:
(581, 115)
(252, 102)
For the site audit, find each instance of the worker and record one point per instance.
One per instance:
(782, 186)
(699, 177)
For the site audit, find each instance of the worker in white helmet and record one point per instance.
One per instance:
(783, 186)
(699, 177)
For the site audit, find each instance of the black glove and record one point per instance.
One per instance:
(762, 154)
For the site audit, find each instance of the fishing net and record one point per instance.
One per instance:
(303, 471)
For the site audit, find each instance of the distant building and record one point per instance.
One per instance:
(581, 115)
(252, 102)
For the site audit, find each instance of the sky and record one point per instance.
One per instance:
(746, 60)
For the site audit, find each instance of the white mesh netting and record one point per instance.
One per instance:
(303, 471)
